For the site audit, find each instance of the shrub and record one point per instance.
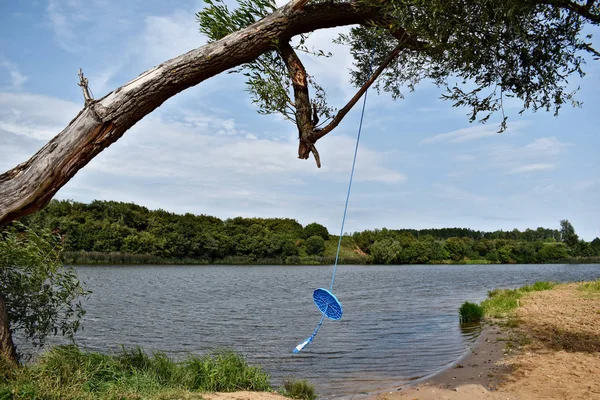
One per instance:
(65, 372)
(470, 312)
(315, 246)
(298, 389)
(41, 297)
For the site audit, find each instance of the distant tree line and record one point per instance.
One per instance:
(115, 232)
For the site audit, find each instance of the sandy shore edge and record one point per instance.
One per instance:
(557, 357)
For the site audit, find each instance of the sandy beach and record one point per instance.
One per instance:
(552, 353)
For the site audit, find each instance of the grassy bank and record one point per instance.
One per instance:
(501, 303)
(67, 373)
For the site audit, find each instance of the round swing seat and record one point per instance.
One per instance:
(328, 303)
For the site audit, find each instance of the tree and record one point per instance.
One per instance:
(494, 49)
(456, 248)
(595, 245)
(567, 234)
(315, 246)
(553, 252)
(386, 251)
(315, 229)
(38, 296)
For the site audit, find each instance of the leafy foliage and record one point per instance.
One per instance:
(42, 296)
(315, 229)
(315, 245)
(120, 233)
(567, 234)
(267, 78)
(480, 51)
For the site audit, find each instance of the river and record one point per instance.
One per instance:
(399, 322)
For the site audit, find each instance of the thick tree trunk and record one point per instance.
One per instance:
(29, 186)
(7, 346)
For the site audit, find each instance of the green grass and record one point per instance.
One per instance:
(348, 254)
(502, 302)
(470, 312)
(592, 287)
(67, 373)
(298, 389)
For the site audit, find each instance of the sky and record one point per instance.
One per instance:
(421, 164)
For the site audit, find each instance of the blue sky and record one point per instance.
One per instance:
(206, 151)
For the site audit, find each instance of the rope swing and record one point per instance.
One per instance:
(325, 300)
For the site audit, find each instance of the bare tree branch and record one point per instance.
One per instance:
(304, 109)
(83, 83)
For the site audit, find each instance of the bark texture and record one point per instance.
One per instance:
(29, 186)
(7, 346)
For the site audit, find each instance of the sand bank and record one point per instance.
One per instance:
(553, 353)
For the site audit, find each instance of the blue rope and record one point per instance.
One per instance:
(302, 345)
(306, 342)
(362, 115)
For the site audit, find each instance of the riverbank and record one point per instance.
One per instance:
(550, 349)
(348, 256)
(67, 373)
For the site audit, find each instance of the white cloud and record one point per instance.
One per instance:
(166, 148)
(168, 36)
(159, 39)
(35, 116)
(542, 154)
(195, 163)
(463, 135)
(548, 146)
(456, 194)
(16, 78)
(526, 168)
(64, 19)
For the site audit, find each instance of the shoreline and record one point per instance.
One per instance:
(327, 264)
(553, 353)
(476, 366)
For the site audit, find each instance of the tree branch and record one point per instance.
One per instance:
(406, 41)
(307, 113)
(298, 4)
(580, 9)
(83, 83)
(304, 110)
(30, 185)
(319, 133)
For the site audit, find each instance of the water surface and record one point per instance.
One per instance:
(400, 322)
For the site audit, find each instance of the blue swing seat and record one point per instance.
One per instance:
(328, 303)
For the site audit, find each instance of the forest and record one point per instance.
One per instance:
(108, 232)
